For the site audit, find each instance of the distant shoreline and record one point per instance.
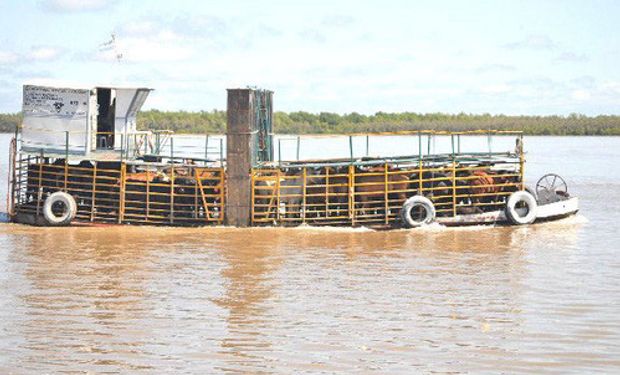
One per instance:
(302, 123)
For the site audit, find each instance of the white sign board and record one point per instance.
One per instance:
(49, 113)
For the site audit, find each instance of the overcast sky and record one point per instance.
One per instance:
(513, 57)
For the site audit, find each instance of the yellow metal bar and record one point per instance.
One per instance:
(196, 194)
(303, 192)
(420, 171)
(272, 200)
(66, 174)
(121, 203)
(93, 195)
(521, 163)
(352, 194)
(171, 190)
(385, 198)
(222, 187)
(252, 195)
(39, 187)
(453, 189)
(148, 196)
(278, 195)
(326, 192)
(202, 195)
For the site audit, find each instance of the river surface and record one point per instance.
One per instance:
(539, 299)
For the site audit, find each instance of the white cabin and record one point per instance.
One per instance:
(79, 120)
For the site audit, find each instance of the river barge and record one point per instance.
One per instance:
(79, 159)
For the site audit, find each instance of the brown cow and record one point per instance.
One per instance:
(327, 192)
(189, 195)
(337, 181)
(483, 184)
(147, 176)
(187, 203)
(484, 188)
(372, 187)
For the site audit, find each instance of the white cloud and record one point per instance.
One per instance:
(494, 68)
(139, 28)
(169, 39)
(36, 54)
(611, 87)
(533, 42)
(191, 26)
(312, 35)
(71, 6)
(199, 25)
(571, 57)
(337, 20)
(581, 95)
(44, 53)
(8, 57)
(164, 46)
(584, 81)
(496, 89)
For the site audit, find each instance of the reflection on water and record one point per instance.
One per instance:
(284, 300)
(536, 299)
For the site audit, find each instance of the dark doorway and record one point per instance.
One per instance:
(105, 119)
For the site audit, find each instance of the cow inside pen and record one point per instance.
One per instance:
(374, 195)
(115, 192)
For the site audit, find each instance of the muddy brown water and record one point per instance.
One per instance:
(538, 299)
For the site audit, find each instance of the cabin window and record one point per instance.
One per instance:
(106, 103)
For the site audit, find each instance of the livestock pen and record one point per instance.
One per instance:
(177, 191)
(372, 191)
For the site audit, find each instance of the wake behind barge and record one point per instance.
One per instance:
(79, 159)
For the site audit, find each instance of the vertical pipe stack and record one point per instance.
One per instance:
(247, 143)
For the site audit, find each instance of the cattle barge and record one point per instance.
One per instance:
(79, 159)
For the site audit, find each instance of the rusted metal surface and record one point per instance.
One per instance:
(240, 117)
(248, 141)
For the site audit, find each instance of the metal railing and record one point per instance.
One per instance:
(424, 145)
(372, 191)
(354, 195)
(121, 192)
(127, 146)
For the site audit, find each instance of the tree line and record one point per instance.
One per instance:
(333, 123)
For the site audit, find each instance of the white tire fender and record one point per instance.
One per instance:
(66, 215)
(417, 202)
(521, 215)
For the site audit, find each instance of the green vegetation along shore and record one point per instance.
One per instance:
(332, 123)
